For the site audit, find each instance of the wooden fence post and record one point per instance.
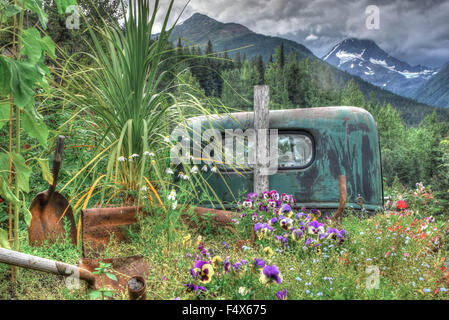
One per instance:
(261, 126)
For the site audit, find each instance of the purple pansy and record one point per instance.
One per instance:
(297, 234)
(286, 208)
(226, 265)
(282, 295)
(315, 227)
(259, 263)
(271, 274)
(194, 287)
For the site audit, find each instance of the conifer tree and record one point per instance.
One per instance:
(260, 70)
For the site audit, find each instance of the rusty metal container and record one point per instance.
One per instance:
(137, 288)
(100, 224)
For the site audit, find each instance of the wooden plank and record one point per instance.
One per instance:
(261, 126)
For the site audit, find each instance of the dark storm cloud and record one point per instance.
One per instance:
(414, 31)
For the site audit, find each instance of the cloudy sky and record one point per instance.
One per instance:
(416, 31)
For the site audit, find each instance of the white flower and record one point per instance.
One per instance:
(185, 177)
(134, 155)
(243, 291)
(213, 169)
(181, 175)
(172, 195)
(121, 159)
(147, 153)
(194, 170)
(174, 205)
(247, 203)
(144, 188)
(169, 171)
(166, 139)
(204, 168)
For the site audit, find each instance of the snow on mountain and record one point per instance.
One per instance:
(365, 59)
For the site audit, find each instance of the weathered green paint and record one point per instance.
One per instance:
(346, 143)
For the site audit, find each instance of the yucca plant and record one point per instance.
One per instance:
(130, 104)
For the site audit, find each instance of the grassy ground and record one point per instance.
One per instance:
(409, 252)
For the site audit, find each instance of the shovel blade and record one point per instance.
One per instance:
(46, 223)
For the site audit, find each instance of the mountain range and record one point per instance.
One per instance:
(199, 29)
(373, 70)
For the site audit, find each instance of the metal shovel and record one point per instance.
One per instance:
(49, 207)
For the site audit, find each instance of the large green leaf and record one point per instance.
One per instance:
(5, 76)
(36, 7)
(63, 4)
(4, 113)
(34, 46)
(48, 45)
(8, 10)
(22, 171)
(26, 214)
(4, 239)
(6, 193)
(34, 125)
(24, 76)
(4, 164)
(46, 173)
(31, 44)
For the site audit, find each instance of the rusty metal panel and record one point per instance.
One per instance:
(345, 143)
(123, 268)
(99, 224)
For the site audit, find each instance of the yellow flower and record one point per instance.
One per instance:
(198, 240)
(216, 261)
(315, 216)
(205, 273)
(269, 252)
(186, 240)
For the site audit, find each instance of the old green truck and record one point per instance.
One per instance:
(316, 147)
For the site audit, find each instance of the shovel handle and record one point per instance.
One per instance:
(27, 261)
(57, 162)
